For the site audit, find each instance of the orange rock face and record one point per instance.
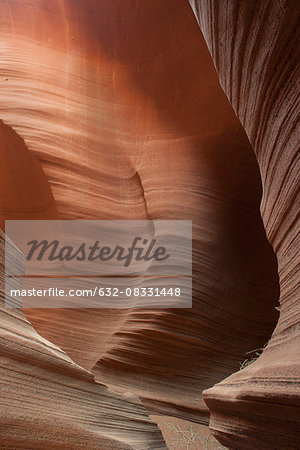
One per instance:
(25, 191)
(114, 111)
(257, 64)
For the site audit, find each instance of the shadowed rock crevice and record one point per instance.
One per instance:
(25, 190)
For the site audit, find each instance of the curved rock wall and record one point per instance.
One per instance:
(128, 122)
(48, 401)
(25, 191)
(255, 47)
(121, 106)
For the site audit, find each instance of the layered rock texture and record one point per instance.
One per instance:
(255, 47)
(48, 401)
(113, 110)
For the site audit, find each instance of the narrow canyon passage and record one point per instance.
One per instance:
(119, 92)
(123, 117)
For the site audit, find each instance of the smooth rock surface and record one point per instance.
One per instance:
(25, 191)
(121, 106)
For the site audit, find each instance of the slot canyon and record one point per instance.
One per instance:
(156, 110)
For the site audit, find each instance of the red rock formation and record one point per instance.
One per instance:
(256, 52)
(25, 191)
(49, 402)
(121, 105)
